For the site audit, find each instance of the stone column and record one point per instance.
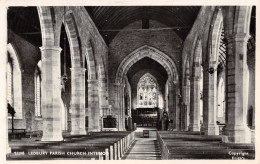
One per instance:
(51, 93)
(103, 92)
(118, 105)
(93, 106)
(78, 101)
(121, 108)
(173, 106)
(236, 129)
(176, 103)
(209, 126)
(103, 102)
(186, 91)
(171, 109)
(194, 104)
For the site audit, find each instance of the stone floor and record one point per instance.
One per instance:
(144, 148)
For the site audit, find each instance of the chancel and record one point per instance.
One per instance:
(130, 82)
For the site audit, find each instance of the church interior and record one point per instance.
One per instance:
(130, 82)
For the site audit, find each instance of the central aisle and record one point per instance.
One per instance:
(144, 148)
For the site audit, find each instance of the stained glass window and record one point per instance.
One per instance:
(147, 92)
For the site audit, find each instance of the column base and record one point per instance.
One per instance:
(78, 132)
(52, 138)
(122, 129)
(194, 128)
(209, 129)
(237, 134)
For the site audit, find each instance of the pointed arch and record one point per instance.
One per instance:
(101, 69)
(186, 71)
(237, 19)
(196, 60)
(91, 64)
(74, 40)
(17, 70)
(46, 22)
(151, 52)
(189, 57)
(214, 36)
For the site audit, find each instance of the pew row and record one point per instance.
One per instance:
(96, 146)
(190, 145)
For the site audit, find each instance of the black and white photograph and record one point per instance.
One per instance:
(128, 82)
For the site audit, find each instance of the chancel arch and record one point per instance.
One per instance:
(153, 53)
(172, 82)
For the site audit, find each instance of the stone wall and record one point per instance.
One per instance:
(129, 40)
(88, 31)
(29, 56)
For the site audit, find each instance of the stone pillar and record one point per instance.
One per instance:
(123, 107)
(103, 92)
(194, 104)
(174, 110)
(130, 126)
(176, 103)
(78, 101)
(51, 93)
(93, 106)
(118, 105)
(209, 126)
(186, 91)
(171, 108)
(236, 129)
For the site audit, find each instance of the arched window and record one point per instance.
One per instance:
(14, 81)
(221, 98)
(38, 92)
(147, 92)
(9, 83)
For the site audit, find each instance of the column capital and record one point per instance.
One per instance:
(55, 48)
(238, 37)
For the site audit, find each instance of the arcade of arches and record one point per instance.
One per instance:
(71, 71)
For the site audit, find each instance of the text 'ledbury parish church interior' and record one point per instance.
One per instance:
(130, 82)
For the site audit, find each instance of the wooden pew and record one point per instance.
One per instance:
(114, 144)
(185, 145)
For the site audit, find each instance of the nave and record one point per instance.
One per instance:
(90, 77)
